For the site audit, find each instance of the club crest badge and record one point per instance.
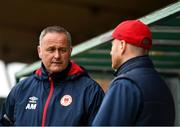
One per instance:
(66, 100)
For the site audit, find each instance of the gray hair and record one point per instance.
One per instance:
(58, 29)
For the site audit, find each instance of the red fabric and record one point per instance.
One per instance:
(38, 72)
(134, 32)
(47, 102)
(75, 69)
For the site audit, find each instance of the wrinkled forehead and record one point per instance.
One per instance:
(55, 38)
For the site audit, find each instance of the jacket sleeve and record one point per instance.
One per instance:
(7, 111)
(120, 105)
(94, 99)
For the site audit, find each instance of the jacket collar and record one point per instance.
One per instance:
(72, 71)
(136, 62)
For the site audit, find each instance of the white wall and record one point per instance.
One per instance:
(7, 76)
(4, 83)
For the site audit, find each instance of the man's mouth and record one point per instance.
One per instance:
(57, 62)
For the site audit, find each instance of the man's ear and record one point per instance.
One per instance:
(39, 51)
(71, 49)
(123, 46)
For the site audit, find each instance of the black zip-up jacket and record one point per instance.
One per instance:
(69, 98)
(137, 96)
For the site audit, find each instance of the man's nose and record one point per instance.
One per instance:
(57, 54)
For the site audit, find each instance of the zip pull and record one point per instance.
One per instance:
(47, 101)
(50, 79)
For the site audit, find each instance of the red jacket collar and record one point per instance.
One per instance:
(74, 70)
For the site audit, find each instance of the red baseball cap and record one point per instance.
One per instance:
(134, 32)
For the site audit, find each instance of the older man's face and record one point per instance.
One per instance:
(55, 52)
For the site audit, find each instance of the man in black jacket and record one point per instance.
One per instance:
(138, 95)
(59, 93)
